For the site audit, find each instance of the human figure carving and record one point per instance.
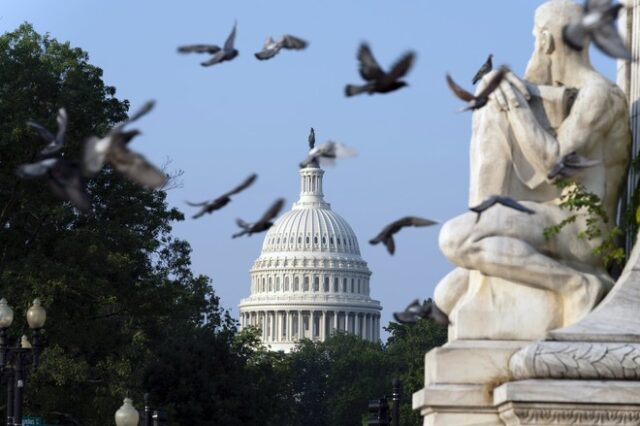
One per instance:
(518, 137)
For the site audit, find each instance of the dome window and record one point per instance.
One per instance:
(324, 241)
(352, 285)
(305, 286)
(296, 284)
(286, 283)
(358, 286)
(331, 240)
(277, 283)
(307, 240)
(344, 285)
(326, 284)
(315, 240)
(271, 284)
(336, 284)
(299, 240)
(316, 284)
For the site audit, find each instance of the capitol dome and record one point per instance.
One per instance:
(309, 279)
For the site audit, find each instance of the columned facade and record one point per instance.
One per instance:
(310, 281)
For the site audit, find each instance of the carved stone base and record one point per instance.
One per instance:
(459, 379)
(568, 402)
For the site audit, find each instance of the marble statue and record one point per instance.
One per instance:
(510, 282)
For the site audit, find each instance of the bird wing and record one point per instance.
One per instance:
(44, 133)
(369, 68)
(95, 154)
(608, 39)
(214, 60)
(459, 91)
(484, 69)
(591, 5)
(228, 44)
(513, 204)
(199, 48)
(390, 244)
(412, 221)
(484, 205)
(242, 224)
(273, 211)
(36, 170)
(143, 110)
(204, 203)
(402, 66)
(266, 54)
(576, 160)
(292, 42)
(493, 83)
(67, 183)
(136, 167)
(574, 35)
(62, 120)
(244, 185)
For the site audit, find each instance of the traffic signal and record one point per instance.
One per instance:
(378, 412)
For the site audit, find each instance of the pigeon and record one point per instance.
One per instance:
(417, 310)
(224, 199)
(598, 24)
(484, 70)
(377, 80)
(227, 53)
(272, 48)
(54, 142)
(570, 165)
(326, 154)
(113, 149)
(386, 236)
(477, 102)
(263, 224)
(64, 177)
(498, 199)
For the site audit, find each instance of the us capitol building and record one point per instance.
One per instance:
(310, 279)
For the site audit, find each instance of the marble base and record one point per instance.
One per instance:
(569, 402)
(459, 382)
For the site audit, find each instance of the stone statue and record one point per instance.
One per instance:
(510, 281)
(312, 139)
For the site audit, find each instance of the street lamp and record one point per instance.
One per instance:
(127, 415)
(15, 360)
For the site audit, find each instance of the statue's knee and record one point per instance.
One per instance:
(451, 239)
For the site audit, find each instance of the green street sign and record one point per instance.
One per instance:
(32, 421)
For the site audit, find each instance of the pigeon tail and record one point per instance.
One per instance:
(352, 90)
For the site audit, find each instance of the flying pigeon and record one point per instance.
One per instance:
(498, 199)
(476, 102)
(326, 154)
(224, 199)
(379, 81)
(598, 24)
(227, 53)
(484, 70)
(113, 149)
(272, 48)
(54, 142)
(386, 236)
(64, 178)
(417, 310)
(570, 165)
(263, 224)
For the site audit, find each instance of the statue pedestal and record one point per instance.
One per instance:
(459, 380)
(569, 402)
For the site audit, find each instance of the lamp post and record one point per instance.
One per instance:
(127, 415)
(14, 361)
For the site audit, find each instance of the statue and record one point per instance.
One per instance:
(562, 106)
(312, 139)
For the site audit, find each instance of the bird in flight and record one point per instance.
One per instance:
(263, 224)
(326, 153)
(224, 199)
(484, 70)
(54, 142)
(386, 235)
(417, 310)
(499, 199)
(113, 149)
(377, 80)
(476, 102)
(271, 48)
(227, 53)
(570, 165)
(598, 24)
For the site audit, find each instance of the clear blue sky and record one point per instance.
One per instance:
(222, 123)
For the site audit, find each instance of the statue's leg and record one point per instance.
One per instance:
(511, 245)
(450, 289)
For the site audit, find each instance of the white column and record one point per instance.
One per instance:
(356, 324)
(300, 335)
(323, 326)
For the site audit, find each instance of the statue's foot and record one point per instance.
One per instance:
(581, 300)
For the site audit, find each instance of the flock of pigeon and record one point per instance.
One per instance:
(66, 177)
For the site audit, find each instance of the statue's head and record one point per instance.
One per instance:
(550, 52)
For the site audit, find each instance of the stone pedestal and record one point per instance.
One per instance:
(459, 382)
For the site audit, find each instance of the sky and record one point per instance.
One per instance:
(222, 123)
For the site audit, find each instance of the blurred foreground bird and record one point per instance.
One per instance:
(484, 70)
(570, 165)
(417, 310)
(379, 81)
(263, 224)
(326, 153)
(598, 24)
(54, 142)
(476, 102)
(227, 53)
(498, 199)
(386, 236)
(272, 48)
(64, 178)
(223, 200)
(113, 149)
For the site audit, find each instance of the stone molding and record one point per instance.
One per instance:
(513, 414)
(577, 360)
